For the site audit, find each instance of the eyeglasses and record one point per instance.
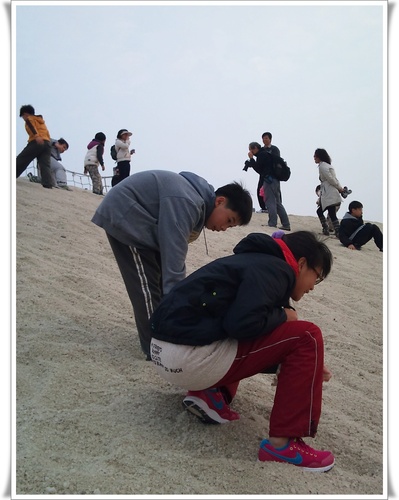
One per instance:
(319, 278)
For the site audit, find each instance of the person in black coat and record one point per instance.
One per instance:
(232, 319)
(354, 233)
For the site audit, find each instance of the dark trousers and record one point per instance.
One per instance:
(42, 153)
(124, 169)
(141, 273)
(368, 232)
(332, 212)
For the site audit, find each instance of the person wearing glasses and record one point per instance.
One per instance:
(232, 319)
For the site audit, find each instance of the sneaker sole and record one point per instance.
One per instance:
(326, 468)
(201, 410)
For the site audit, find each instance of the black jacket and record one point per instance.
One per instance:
(349, 224)
(263, 164)
(240, 296)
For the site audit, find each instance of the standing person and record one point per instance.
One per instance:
(123, 156)
(330, 190)
(38, 145)
(57, 168)
(150, 218)
(267, 144)
(354, 233)
(232, 319)
(337, 207)
(264, 166)
(94, 158)
(271, 148)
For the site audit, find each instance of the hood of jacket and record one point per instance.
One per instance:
(348, 215)
(93, 143)
(259, 243)
(204, 189)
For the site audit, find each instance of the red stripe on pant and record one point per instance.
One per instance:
(298, 347)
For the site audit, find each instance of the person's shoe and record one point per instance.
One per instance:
(326, 231)
(346, 192)
(285, 228)
(297, 452)
(209, 406)
(64, 186)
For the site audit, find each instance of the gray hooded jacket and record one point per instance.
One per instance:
(161, 211)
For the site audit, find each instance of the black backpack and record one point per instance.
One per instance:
(281, 171)
(113, 152)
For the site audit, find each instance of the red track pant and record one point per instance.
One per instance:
(298, 347)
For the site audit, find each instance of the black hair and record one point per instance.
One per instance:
(27, 108)
(253, 145)
(63, 141)
(121, 132)
(316, 252)
(100, 136)
(354, 204)
(269, 135)
(322, 155)
(238, 199)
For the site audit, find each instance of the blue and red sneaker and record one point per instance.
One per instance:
(209, 406)
(297, 452)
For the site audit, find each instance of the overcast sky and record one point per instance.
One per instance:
(196, 83)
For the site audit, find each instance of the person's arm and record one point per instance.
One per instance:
(275, 150)
(177, 219)
(100, 152)
(257, 308)
(33, 131)
(329, 176)
(121, 144)
(345, 230)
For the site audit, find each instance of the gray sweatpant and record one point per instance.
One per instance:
(58, 172)
(141, 273)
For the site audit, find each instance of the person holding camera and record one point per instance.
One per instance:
(263, 165)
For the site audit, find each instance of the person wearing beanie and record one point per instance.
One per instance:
(123, 156)
(94, 158)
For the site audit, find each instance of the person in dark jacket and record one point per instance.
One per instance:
(260, 159)
(232, 319)
(354, 233)
(150, 218)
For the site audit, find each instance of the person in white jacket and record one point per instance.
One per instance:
(123, 156)
(330, 191)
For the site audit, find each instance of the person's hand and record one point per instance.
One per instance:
(291, 314)
(326, 374)
(103, 167)
(351, 247)
(39, 139)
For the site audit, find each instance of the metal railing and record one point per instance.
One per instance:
(77, 179)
